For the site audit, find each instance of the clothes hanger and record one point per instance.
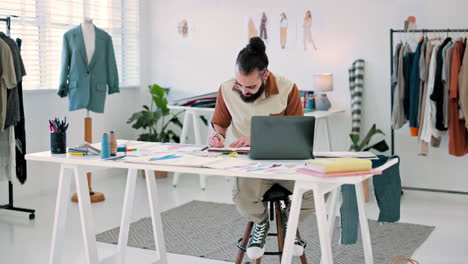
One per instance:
(435, 38)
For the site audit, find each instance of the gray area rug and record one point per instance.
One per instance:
(211, 230)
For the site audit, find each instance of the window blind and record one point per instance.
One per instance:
(42, 23)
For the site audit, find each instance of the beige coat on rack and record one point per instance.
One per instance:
(89, 37)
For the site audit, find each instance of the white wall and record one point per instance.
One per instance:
(343, 30)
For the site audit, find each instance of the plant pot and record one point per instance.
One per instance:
(157, 174)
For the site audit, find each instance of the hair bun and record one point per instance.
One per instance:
(256, 46)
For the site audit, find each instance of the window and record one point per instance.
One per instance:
(41, 25)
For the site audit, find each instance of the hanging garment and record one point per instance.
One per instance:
(422, 77)
(458, 135)
(20, 135)
(424, 146)
(463, 87)
(428, 120)
(437, 95)
(407, 65)
(356, 86)
(85, 83)
(387, 190)
(7, 79)
(13, 109)
(414, 90)
(398, 115)
(446, 81)
(395, 73)
(7, 160)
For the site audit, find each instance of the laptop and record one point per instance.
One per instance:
(282, 137)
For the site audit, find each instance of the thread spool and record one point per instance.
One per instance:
(113, 144)
(121, 149)
(105, 146)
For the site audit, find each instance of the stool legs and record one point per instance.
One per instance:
(279, 227)
(303, 257)
(245, 240)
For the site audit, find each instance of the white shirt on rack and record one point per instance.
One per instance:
(428, 128)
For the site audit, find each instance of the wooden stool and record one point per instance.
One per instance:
(273, 197)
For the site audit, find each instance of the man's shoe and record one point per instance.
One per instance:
(256, 246)
(299, 244)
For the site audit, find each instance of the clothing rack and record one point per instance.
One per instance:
(10, 205)
(392, 32)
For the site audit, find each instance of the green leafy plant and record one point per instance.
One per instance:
(380, 146)
(156, 118)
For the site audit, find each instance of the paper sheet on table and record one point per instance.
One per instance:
(173, 159)
(266, 168)
(150, 149)
(345, 154)
(230, 163)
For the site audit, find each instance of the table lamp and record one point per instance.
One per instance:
(323, 82)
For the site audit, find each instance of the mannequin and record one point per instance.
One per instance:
(89, 37)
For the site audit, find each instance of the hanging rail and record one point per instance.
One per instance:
(393, 31)
(10, 205)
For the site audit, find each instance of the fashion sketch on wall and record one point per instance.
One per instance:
(263, 27)
(283, 30)
(182, 28)
(308, 40)
(252, 29)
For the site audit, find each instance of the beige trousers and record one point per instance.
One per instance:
(248, 195)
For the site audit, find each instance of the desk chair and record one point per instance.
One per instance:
(273, 197)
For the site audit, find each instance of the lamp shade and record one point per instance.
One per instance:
(323, 82)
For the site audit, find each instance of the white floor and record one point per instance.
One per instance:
(24, 241)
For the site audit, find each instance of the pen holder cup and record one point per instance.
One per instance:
(58, 143)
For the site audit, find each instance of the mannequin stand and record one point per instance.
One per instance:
(94, 196)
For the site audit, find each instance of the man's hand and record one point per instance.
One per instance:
(241, 142)
(215, 140)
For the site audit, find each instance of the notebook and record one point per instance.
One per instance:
(339, 174)
(243, 150)
(338, 165)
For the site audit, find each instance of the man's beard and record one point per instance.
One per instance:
(254, 96)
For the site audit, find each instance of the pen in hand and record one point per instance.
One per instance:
(217, 133)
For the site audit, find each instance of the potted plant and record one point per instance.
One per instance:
(156, 118)
(380, 146)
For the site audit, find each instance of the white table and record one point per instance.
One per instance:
(78, 166)
(192, 115)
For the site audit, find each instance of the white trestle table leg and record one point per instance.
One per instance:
(323, 227)
(332, 201)
(364, 224)
(327, 128)
(86, 217)
(293, 221)
(60, 218)
(198, 141)
(183, 137)
(332, 210)
(156, 218)
(127, 214)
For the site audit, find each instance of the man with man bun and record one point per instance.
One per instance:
(255, 91)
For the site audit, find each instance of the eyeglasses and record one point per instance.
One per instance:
(238, 86)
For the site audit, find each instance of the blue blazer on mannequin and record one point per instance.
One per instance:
(86, 83)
